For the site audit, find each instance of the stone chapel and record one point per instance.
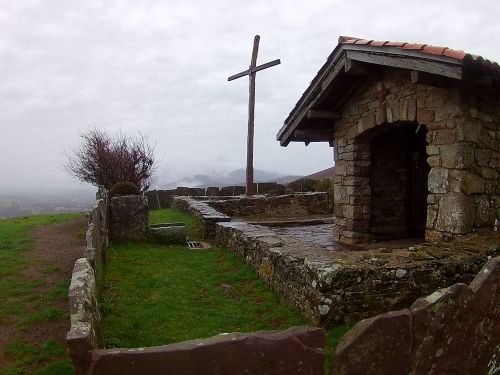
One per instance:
(415, 131)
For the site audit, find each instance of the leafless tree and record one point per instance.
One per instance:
(104, 160)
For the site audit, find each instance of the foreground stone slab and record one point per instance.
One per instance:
(385, 348)
(297, 350)
(454, 330)
(85, 332)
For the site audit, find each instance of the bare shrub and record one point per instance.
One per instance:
(103, 160)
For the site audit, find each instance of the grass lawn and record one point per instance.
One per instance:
(156, 295)
(23, 306)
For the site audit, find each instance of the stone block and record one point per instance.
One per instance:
(266, 187)
(196, 192)
(165, 198)
(240, 190)
(182, 191)
(212, 191)
(379, 345)
(456, 214)
(168, 233)
(85, 333)
(129, 218)
(153, 201)
(457, 156)
(226, 191)
(298, 350)
(485, 212)
(438, 180)
(463, 181)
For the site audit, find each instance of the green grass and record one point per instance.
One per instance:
(18, 296)
(156, 295)
(174, 216)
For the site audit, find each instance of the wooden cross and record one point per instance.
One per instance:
(250, 72)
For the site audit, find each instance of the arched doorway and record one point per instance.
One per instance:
(398, 182)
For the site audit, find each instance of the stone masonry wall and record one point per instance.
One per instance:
(329, 287)
(463, 153)
(85, 331)
(302, 204)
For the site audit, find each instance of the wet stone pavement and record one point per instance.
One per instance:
(314, 234)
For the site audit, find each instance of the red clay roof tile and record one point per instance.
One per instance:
(433, 50)
(414, 46)
(425, 49)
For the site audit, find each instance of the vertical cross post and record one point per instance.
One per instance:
(252, 70)
(251, 116)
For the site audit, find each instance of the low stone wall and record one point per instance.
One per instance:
(85, 331)
(453, 331)
(298, 350)
(205, 214)
(97, 240)
(290, 205)
(328, 287)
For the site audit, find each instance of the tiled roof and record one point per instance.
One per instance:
(425, 49)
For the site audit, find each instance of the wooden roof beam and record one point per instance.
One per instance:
(429, 79)
(326, 115)
(353, 67)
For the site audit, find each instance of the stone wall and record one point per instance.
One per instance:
(163, 198)
(463, 152)
(206, 215)
(329, 287)
(452, 331)
(85, 331)
(290, 205)
(298, 350)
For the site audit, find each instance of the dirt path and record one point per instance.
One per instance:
(54, 253)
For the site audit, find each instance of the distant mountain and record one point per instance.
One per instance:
(237, 177)
(325, 173)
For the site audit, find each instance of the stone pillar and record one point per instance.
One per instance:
(129, 218)
(453, 187)
(351, 191)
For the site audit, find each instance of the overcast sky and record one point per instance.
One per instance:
(161, 68)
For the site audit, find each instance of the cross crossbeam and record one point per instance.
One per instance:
(250, 72)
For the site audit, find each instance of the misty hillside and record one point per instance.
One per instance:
(236, 177)
(26, 204)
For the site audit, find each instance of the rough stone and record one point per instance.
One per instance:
(212, 191)
(129, 218)
(438, 180)
(379, 345)
(297, 350)
(85, 331)
(457, 156)
(168, 233)
(165, 198)
(456, 214)
(153, 201)
(196, 192)
(181, 191)
(463, 181)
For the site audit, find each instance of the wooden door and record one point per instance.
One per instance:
(417, 191)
